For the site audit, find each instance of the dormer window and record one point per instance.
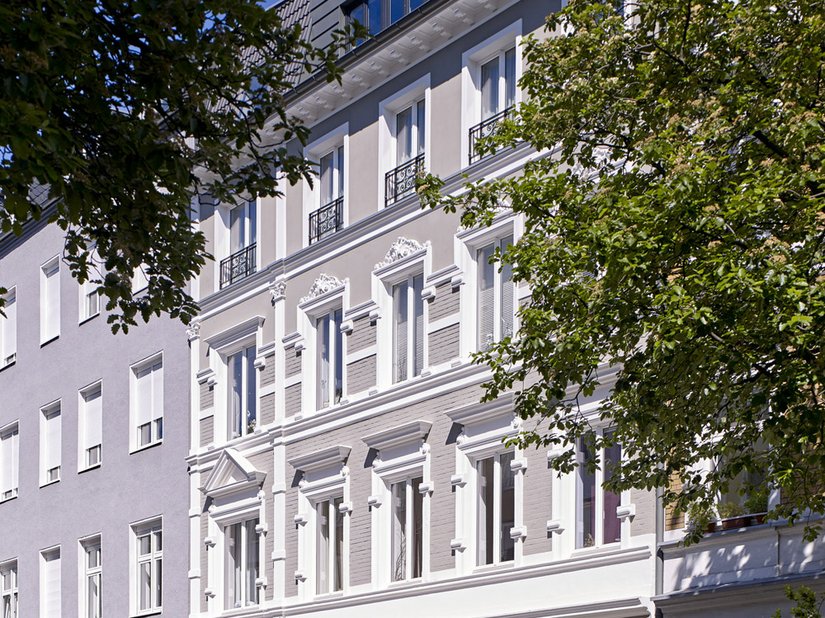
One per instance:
(378, 15)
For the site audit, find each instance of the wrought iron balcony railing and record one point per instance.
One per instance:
(326, 220)
(486, 128)
(238, 266)
(400, 182)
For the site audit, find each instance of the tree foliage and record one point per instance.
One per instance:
(674, 232)
(128, 111)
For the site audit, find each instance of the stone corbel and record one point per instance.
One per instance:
(300, 520)
(518, 533)
(426, 488)
(626, 511)
(457, 545)
(300, 576)
(554, 527)
(458, 480)
(210, 594)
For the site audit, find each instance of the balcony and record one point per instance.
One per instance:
(400, 182)
(326, 220)
(238, 266)
(486, 128)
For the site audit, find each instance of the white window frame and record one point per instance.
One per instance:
(88, 574)
(138, 530)
(468, 243)
(419, 90)
(8, 329)
(336, 338)
(49, 298)
(312, 194)
(87, 291)
(325, 477)
(10, 434)
(471, 62)
(44, 590)
(9, 599)
(222, 346)
(84, 454)
(402, 455)
(485, 427)
(225, 525)
(50, 453)
(156, 422)
(247, 373)
(312, 308)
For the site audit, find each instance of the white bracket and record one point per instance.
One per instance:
(518, 533)
(554, 526)
(301, 519)
(374, 501)
(457, 545)
(458, 480)
(626, 511)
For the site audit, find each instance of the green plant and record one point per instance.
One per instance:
(730, 509)
(757, 501)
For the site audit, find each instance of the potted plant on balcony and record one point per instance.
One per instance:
(732, 516)
(756, 505)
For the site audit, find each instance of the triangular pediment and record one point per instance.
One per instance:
(232, 473)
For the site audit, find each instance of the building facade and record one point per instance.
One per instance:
(342, 462)
(93, 440)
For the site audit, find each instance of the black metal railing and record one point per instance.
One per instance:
(483, 129)
(400, 182)
(326, 220)
(238, 266)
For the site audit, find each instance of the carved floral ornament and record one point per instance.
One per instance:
(323, 284)
(278, 290)
(400, 249)
(193, 331)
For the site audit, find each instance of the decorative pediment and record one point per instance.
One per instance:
(401, 248)
(414, 431)
(322, 285)
(318, 460)
(232, 474)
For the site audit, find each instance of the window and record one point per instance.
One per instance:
(242, 563)
(8, 330)
(243, 233)
(596, 520)
(50, 583)
(496, 295)
(50, 443)
(140, 281)
(149, 574)
(148, 402)
(329, 218)
(91, 426)
(377, 15)
(408, 328)
(49, 300)
(329, 546)
(242, 392)
(407, 529)
(9, 462)
(92, 599)
(8, 589)
(498, 84)
(409, 151)
(330, 358)
(89, 300)
(496, 509)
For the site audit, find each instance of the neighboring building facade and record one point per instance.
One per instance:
(342, 464)
(93, 440)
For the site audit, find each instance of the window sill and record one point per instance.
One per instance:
(9, 499)
(595, 550)
(326, 596)
(148, 612)
(88, 468)
(146, 447)
(407, 583)
(46, 484)
(88, 319)
(48, 341)
(493, 568)
(9, 364)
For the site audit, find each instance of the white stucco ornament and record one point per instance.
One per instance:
(278, 291)
(323, 284)
(193, 331)
(400, 249)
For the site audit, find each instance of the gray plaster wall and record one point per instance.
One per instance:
(361, 375)
(444, 344)
(127, 487)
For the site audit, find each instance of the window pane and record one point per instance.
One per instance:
(145, 585)
(327, 179)
(235, 395)
(416, 533)
(508, 507)
(322, 334)
(144, 545)
(399, 537)
(612, 528)
(375, 16)
(233, 565)
(510, 77)
(339, 354)
(322, 547)
(93, 599)
(399, 300)
(484, 533)
(158, 601)
(340, 174)
(486, 310)
(251, 394)
(418, 324)
(252, 554)
(507, 310)
(339, 544)
(236, 225)
(420, 125)
(403, 136)
(489, 88)
(397, 10)
(586, 532)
